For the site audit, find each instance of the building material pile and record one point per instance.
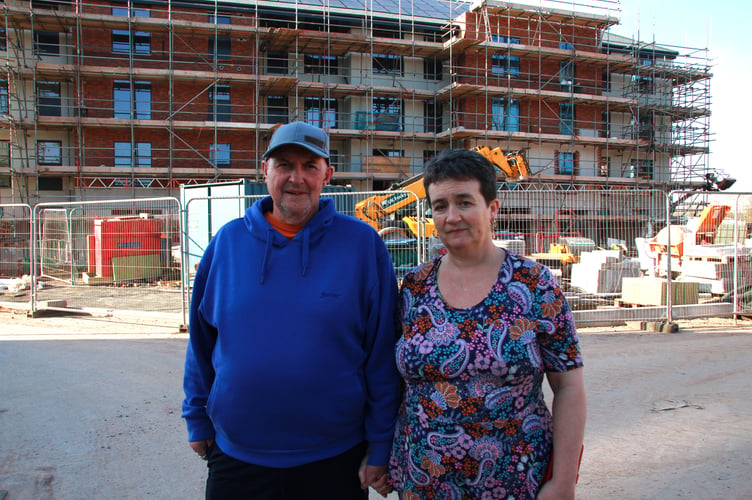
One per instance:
(650, 291)
(602, 271)
(713, 267)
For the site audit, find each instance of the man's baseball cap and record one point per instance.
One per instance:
(302, 134)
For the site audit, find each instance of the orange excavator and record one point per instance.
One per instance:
(513, 165)
(376, 210)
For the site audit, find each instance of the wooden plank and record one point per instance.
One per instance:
(136, 267)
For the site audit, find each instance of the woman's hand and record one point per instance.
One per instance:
(556, 490)
(374, 476)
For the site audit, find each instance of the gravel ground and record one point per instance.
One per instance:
(90, 408)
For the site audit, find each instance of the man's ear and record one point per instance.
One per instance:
(329, 174)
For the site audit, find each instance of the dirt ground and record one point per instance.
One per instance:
(90, 408)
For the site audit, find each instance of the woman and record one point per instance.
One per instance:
(481, 327)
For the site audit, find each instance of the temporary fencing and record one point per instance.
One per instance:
(616, 252)
(118, 255)
(15, 253)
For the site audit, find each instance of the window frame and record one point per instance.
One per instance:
(504, 64)
(49, 160)
(566, 75)
(220, 48)
(505, 114)
(49, 105)
(217, 156)
(320, 64)
(388, 64)
(5, 163)
(642, 169)
(433, 116)
(141, 159)
(433, 69)
(44, 44)
(387, 106)
(277, 113)
(321, 112)
(566, 118)
(126, 41)
(388, 153)
(220, 109)
(566, 163)
(139, 108)
(119, 159)
(4, 98)
(281, 63)
(220, 19)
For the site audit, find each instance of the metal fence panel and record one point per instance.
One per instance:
(593, 240)
(116, 255)
(15, 253)
(711, 251)
(204, 215)
(617, 253)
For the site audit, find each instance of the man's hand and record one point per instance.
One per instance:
(201, 447)
(374, 476)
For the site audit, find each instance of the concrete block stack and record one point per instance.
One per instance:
(602, 271)
(713, 267)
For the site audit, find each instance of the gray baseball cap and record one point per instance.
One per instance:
(302, 134)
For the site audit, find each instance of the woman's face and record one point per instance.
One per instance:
(461, 215)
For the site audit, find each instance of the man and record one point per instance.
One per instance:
(290, 378)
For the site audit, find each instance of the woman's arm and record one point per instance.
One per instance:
(569, 412)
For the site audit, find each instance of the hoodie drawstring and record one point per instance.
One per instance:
(267, 253)
(304, 250)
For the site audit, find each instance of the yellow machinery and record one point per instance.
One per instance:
(513, 165)
(376, 209)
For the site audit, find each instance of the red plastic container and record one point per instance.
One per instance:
(124, 237)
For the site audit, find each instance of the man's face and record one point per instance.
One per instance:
(295, 177)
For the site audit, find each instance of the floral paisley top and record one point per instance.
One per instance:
(473, 423)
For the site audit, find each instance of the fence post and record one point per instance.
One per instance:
(184, 264)
(735, 267)
(33, 263)
(669, 281)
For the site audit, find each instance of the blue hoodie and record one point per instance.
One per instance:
(291, 351)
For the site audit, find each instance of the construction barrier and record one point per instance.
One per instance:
(115, 256)
(620, 255)
(15, 253)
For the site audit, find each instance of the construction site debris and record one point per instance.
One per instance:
(602, 271)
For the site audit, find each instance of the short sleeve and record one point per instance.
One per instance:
(557, 333)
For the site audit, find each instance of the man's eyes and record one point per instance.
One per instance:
(288, 166)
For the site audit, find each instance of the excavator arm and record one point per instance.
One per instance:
(512, 165)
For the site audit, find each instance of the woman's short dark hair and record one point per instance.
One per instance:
(461, 164)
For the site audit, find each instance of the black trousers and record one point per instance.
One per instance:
(334, 478)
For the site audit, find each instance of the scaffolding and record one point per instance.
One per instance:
(149, 96)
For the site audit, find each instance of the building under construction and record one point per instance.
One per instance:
(120, 99)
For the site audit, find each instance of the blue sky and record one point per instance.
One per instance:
(724, 28)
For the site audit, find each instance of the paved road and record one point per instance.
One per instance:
(90, 408)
